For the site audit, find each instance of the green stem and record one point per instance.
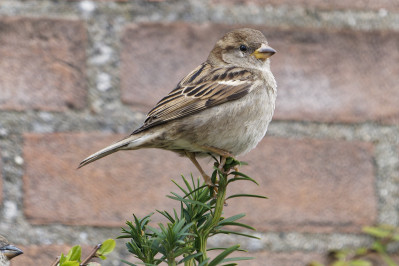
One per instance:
(221, 195)
(171, 262)
(189, 263)
(220, 200)
(203, 240)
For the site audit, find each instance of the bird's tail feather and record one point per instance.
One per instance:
(128, 143)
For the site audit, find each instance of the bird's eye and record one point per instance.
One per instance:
(243, 48)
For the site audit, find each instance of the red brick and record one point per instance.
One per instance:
(337, 76)
(104, 193)
(312, 185)
(331, 5)
(42, 64)
(1, 181)
(156, 56)
(268, 258)
(322, 75)
(101, 0)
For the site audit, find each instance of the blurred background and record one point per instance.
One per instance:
(76, 76)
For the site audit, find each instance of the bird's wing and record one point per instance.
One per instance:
(203, 88)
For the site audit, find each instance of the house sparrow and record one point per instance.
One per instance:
(222, 108)
(7, 251)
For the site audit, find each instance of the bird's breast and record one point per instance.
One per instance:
(236, 126)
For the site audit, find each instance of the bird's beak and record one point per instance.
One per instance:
(11, 251)
(264, 52)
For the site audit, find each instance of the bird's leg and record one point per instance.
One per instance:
(218, 151)
(222, 153)
(207, 179)
(222, 163)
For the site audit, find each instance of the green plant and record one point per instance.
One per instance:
(383, 235)
(183, 240)
(73, 258)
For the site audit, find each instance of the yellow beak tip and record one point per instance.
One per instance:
(264, 52)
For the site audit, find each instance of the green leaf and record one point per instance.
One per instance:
(360, 263)
(388, 260)
(190, 201)
(106, 247)
(74, 254)
(379, 247)
(70, 263)
(234, 233)
(239, 225)
(229, 160)
(239, 179)
(240, 249)
(192, 256)
(62, 259)
(243, 177)
(213, 177)
(167, 215)
(381, 250)
(340, 263)
(219, 258)
(232, 218)
(204, 262)
(237, 259)
(315, 263)
(246, 195)
(128, 263)
(361, 251)
(202, 189)
(231, 221)
(339, 254)
(377, 231)
(181, 188)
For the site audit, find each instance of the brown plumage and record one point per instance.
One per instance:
(7, 251)
(223, 107)
(198, 92)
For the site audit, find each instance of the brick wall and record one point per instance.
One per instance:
(79, 75)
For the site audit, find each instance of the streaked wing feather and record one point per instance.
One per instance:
(203, 88)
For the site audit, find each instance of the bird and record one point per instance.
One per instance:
(221, 108)
(7, 251)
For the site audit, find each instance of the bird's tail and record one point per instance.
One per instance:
(132, 142)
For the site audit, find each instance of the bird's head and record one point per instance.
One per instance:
(8, 251)
(247, 48)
